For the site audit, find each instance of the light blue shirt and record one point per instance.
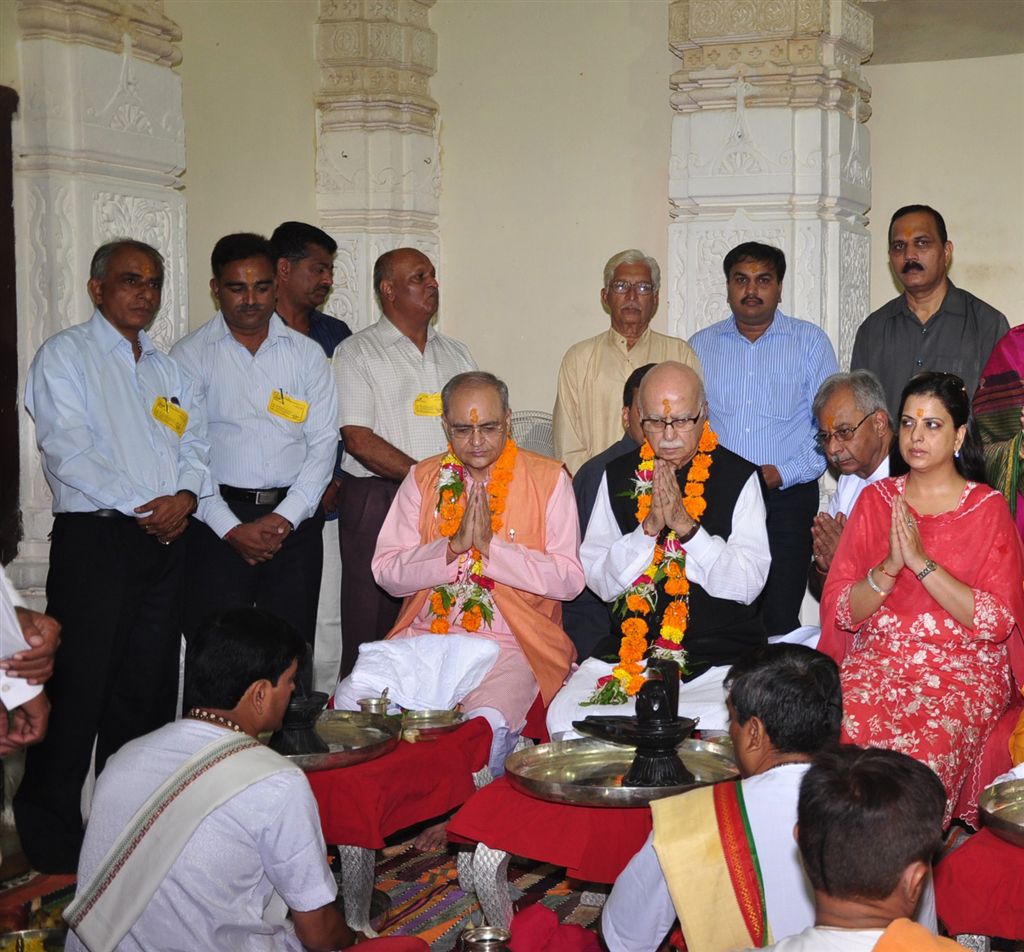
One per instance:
(250, 447)
(92, 403)
(760, 393)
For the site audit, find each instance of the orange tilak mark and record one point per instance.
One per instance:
(920, 412)
(249, 273)
(831, 422)
(667, 407)
(474, 417)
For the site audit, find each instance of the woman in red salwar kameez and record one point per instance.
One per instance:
(923, 602)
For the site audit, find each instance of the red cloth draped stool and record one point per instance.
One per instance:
(979, 888)
(594, 844)
(362, 804)
(398, 943)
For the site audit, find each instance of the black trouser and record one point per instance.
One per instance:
(368, 613)
(218, 578)
(790, 514)
(117, 593)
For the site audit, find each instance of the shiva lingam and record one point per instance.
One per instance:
(656, 730)
(297, 734)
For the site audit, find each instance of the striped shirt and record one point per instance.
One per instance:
(250, 447)
(760, 393)
(388, 386)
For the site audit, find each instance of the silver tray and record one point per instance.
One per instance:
(589, 772)
(432, 722)
(353, 737)
(1002, 809)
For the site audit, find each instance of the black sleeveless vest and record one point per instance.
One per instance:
(719, 631)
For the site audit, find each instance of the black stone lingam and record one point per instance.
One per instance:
(656, 730)
(298, 734)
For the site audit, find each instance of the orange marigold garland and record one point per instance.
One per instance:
(470, 593)
(667, 570)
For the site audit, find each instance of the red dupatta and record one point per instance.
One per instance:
(977, 543)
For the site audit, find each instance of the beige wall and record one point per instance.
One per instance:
(248, 77)
(555, 127)
(951, 135)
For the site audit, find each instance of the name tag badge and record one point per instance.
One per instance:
(427, 404)
(288, 408)
(170, 415)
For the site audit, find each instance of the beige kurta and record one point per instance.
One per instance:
(588, 409)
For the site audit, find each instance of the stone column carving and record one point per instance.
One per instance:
(99, 144)
(769, 144)
(378, 177)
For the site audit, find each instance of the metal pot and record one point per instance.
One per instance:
(485, 939)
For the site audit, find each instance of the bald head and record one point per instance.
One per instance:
(673, 393)
(670, 381)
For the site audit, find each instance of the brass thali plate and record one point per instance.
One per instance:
(432, 722)
(353, 738)
(1002, 810)
(589, 772)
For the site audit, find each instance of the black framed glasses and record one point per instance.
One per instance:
(841, 433)
(678, 424)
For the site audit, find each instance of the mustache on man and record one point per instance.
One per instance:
(912, 266)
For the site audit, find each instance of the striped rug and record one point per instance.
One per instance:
(426, 900)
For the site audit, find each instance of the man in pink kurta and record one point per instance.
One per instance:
(528, 540)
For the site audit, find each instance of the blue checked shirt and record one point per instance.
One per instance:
(760, 393)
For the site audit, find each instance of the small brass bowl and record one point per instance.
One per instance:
(1002, 809)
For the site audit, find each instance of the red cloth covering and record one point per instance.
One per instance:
(361, 805)
(979, 888)
(592, 843)
(537, 927)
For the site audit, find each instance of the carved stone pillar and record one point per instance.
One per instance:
(768, 144)
(99, 144)
(377, 164)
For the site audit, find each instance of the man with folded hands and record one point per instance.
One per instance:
(270, 404)
(481, 542)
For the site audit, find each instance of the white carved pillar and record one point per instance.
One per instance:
(98, 147)
(377, 163)
(769, 144)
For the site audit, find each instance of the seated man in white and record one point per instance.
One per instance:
(200, 837)
(855, 433)
(869, 823)
(481, 542)
(677, 540)
(785, 706)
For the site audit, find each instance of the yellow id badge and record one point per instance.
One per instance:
(427, 404)
(288, 408)
(170, 415)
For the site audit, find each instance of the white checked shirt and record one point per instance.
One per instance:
(380, 373)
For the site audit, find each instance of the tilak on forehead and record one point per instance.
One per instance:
(920, 412)
(250, 273)
(474, 417)
(831, 423)
(666, 405)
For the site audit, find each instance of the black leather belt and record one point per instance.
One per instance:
(260, 497)
(108, 514)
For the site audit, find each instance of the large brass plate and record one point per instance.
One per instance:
(589, 772)
(1002, 809)
(353, 737)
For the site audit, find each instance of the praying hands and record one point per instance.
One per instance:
(667, 510)
(475, 529)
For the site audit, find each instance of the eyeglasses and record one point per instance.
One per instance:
(841, 433)
(463, 431)
(642, 288)
(679, 424)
